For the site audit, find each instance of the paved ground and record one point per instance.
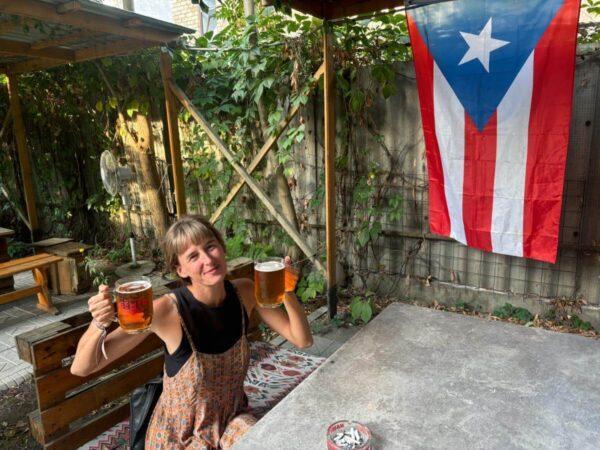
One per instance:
(420, 378)
(22, 315)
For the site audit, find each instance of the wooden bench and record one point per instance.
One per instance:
(72, 410)
(35, 264)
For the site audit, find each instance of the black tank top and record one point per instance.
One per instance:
(213, 329)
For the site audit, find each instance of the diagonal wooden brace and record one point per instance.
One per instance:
(281, 126)
(287, 226)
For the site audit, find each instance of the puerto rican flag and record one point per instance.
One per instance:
(495, 80)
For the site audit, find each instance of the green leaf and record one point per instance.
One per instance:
(388, 90)
(366, 313)
(356, 100)
(99, 106)
(363, 236)
(375, 231)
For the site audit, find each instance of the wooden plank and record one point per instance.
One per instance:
(35, 427)
(53, 386)
(51, 242)
(81, 434)
(291, 231)
(31, 65)
(115, 48)
(25, 340)
(114, 387)
(47, 355)
(21, 293)
(19, 130)
(63, 40)
(26, 259)
(68, 7)
(240, 268)
(137, 22)
(166, 70)
(44, 300)
(15, 266)
(91, 429)
(341, 9)
(329, 127)
(5, 232)
(46, 12)
(281, 126)
(25, 49)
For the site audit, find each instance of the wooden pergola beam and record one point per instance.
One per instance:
(19, 130)
(166, 71)
(25, 49)
(31, 65)
(287, 226)
(112, 49)
(68, 7)
(329, 131)
(66, 39)
(281, 126)
(85, 54)
(47, 12)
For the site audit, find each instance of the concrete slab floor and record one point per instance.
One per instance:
(421, 378)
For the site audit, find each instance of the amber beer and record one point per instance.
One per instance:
(134, 303)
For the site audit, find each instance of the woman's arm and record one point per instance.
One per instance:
(293, 326)
(88, 357)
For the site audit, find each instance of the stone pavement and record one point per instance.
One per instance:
(21, 316)
(326, 339)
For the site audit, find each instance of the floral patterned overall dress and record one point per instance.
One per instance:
(204, 406)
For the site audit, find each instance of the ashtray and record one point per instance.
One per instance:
(348, 435)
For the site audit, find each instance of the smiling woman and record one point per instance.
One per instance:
(203, 325)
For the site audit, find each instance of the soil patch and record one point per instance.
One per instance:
(15, 405)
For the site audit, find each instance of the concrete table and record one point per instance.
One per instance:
(432, 379)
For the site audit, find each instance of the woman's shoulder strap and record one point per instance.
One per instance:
(176, 297)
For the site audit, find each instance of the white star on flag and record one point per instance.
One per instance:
(481, 45)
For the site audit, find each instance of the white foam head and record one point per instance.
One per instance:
(134, 286)
(269, 266)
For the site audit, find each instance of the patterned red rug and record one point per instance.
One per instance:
(273, 373)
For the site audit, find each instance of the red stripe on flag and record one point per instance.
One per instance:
(478, 184)
(553, 73)
(439, 220)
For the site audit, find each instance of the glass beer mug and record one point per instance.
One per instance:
(272, 279)
(133, 296)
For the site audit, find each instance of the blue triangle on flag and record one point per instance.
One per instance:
(464, 35)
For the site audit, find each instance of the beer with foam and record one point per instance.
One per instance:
(134, 304)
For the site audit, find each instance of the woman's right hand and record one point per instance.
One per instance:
(101, 306)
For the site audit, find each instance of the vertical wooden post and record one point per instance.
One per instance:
(166, 71)
(19, 130)
(329, 116)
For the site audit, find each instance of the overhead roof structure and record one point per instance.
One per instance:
(339, 9)
(39, 34)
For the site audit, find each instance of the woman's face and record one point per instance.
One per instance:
(203, 263)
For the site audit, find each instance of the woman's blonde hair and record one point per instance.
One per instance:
(187, 230)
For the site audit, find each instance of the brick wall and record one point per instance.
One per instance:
(185, 13)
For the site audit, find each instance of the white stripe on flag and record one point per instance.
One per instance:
(511, 164)
(449, 117)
